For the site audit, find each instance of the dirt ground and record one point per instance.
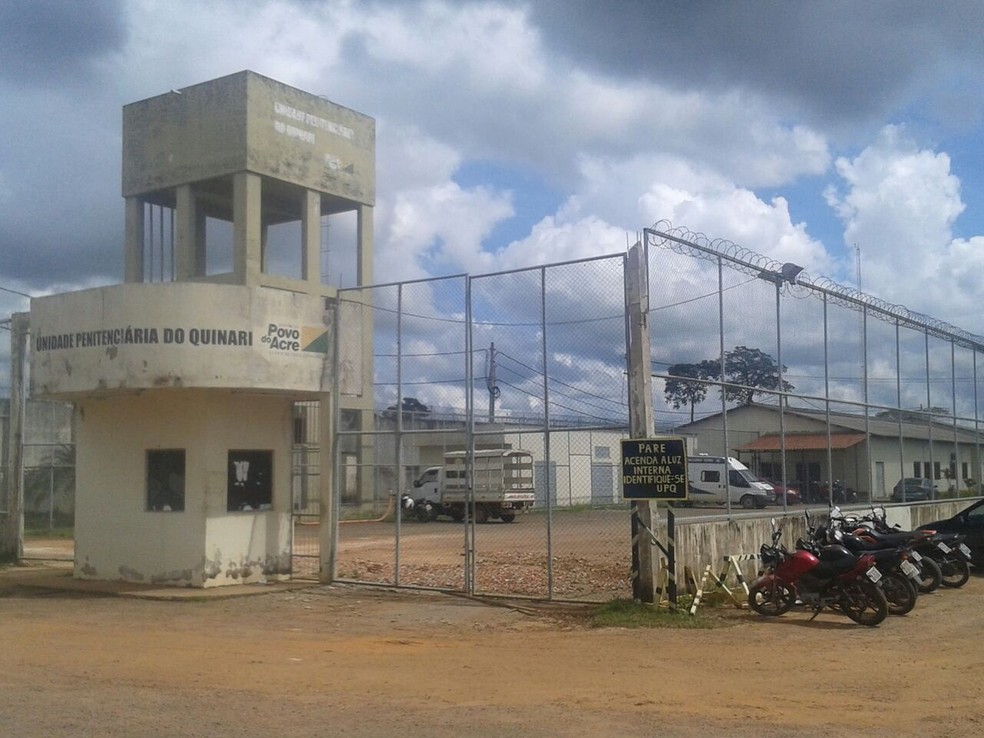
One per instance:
(361, 661)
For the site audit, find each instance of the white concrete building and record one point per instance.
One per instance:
(868, 454)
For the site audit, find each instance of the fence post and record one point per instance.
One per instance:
(12, 529)
(641, 423)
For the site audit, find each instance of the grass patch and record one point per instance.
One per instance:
(629, 614)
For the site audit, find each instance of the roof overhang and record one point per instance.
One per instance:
(803, 442)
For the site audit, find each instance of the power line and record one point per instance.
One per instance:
(554, 380)
(15, 292)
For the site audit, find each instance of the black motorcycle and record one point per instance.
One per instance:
(947, 550)
(900, 575)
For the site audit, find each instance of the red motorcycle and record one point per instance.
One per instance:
(837, 579)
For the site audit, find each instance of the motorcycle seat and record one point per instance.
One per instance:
(887, 540)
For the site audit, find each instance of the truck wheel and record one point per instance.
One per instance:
(748, 502)
(507, 517)
(481, 514)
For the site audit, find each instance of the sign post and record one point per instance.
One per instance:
(647, 480)
(656, 469)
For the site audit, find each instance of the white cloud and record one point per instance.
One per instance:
(180, 43)
(899, 203)
(554, 239)
(425, 222)
(646, 189)
(898, 195)
(408, 158)
(493, 45)
(453, 83)
(439, 228)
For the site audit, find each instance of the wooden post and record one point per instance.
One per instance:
(641, 424)
(671, 587)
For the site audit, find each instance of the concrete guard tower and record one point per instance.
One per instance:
(184, 387)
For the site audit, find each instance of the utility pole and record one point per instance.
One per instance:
(494, 390)
(641, 418)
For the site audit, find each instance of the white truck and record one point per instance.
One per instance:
(502, 480)
(716, 478)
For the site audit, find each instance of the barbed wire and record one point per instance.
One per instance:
(683, 241)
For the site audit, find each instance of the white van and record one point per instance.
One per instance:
(715, 478)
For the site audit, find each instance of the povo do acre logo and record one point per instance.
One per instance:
(296, 339)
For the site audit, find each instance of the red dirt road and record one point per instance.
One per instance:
(370, 662)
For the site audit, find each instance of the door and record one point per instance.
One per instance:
(540, 483)
(602, 484)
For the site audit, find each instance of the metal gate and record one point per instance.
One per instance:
(305, 486)
(450, 358)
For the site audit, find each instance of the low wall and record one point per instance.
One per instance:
(704, 541)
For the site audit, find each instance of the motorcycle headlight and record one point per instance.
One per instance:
(769, 555)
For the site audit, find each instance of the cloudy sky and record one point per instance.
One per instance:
(513, 133)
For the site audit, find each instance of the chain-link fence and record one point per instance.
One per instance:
(45, 462)
(49, 467)
(47, 453)
(5, 487)
(830, 395)
(826, 390)
(489, 365)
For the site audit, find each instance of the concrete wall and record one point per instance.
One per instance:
(117, 537)
(708, 542)
(247, 122)
(182, 335)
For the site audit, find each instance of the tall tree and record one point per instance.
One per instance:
(753, 369)
(683, 387)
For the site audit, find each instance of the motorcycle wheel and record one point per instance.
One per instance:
(955, 573)
(900, 591)
(864, 602)
(771, 598)
(931, 577)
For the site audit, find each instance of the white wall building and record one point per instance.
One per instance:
(868, 454)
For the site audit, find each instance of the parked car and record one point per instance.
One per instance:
(789, 491)
(821, 492)
(969, 522)
(913, 489)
